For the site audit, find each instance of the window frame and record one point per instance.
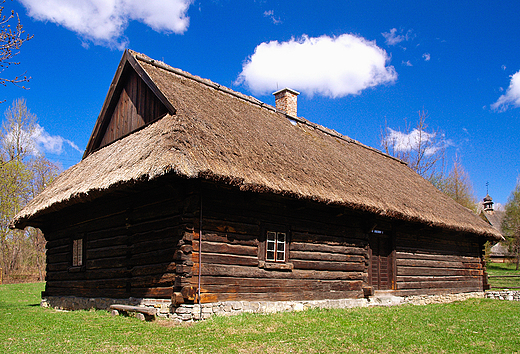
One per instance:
(78, 253)
(276, 243)
(262, 248)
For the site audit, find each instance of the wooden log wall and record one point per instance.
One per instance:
(143, 241)
(135, 244)
(436, 261)
(326, 258)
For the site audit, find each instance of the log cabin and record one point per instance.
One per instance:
(193, 193)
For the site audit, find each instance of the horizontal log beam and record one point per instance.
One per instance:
(220, 270)
(319, 247)
(321, 256)
(226, 248)
(437, 264)
(425, 271)
(280, 296)
(330, 266)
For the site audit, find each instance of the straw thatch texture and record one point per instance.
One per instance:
(218, 136)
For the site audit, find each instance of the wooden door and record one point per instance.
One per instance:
(381, 261)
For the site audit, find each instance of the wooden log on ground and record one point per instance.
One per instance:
(148, 312)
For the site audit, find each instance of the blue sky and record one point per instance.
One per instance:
(357, 64)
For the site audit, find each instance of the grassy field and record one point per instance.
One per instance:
(474, 326)
(494, 269)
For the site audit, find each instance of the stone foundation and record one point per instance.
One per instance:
(440, 299)
(511, 295)
(194, 312)
(71, 303)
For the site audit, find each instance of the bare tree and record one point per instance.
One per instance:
(17, 131)
(422, 149)
(457, 185)
(12, 36)
(24, 172)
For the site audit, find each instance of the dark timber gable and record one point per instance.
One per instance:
(137, 106)
(133, 101)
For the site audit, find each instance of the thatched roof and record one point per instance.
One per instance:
(501, 250)
(494, 218)
(217, 134)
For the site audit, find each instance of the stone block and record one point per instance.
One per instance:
(182, 310)
(298, 307)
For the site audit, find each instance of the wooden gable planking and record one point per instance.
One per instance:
(137, 106)
(132, 102)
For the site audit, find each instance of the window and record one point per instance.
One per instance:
(275, 246)
(77, 252)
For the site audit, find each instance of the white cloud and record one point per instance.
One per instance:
(395, 37)
(407, 63)
(511, 97)
(270, 14)
(39, 142)
(403, 142)
(426, 56)
(332, 67)
(104, 21)
(51, 143)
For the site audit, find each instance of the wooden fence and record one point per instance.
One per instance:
(504, 276)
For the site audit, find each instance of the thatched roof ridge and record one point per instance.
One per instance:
(250, 99)
(221, 135)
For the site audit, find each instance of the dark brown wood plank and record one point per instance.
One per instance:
(425, 271)
(410, 292)
(436, 278)
(437, 264)
(158, 292)
(327, 286)
(330, 266)
(318, 247)
(476, 283)
(273, 282)
(212, 258)
(226, 248)
(280, 296)
(159, 280)
(221, 270)
(320, 256)
(106, 252)
(437, 257)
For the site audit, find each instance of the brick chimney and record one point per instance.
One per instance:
(287, 101)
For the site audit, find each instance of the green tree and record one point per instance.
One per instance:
(511, 222)
(24, 172)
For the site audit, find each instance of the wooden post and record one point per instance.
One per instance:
(1, 274)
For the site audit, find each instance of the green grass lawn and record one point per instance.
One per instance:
(473, 326)
(501, 269)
